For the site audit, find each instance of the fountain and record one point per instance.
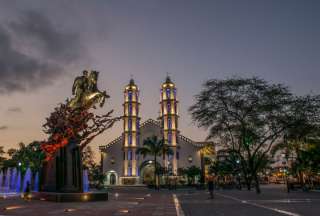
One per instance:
(10, 182)
(85, 181)
(26, 179)
(7, 181)
(1, 178)
(36, 182)
(18, 182)
(13, 178)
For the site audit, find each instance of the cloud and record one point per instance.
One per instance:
(34, 53)
(3, 127)
(15, 109)
(58, 45)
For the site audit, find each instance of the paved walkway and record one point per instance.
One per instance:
(272, 202)
(126, 201)
(146, 202)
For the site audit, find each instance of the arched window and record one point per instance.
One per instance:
(130, 109)
(130, 138)
(130, 96)
(169, 137)
(168, 93)
(129, 171)
(129, 124)
(168, 107)
(169, 122)
(129, 155)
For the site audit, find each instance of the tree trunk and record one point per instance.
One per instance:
(248, 182)
(301, 179)
(256, 180)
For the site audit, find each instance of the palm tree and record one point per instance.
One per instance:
(154, 147)
(11, 151)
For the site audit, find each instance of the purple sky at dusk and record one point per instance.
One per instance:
(45, 44)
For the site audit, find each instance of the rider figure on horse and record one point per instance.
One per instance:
(80, 86)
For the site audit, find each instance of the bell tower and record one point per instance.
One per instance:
(169, 122)
(131, 125)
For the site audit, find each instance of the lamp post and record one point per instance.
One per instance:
(285, 171)
(238, 174)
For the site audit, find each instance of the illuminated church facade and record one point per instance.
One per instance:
(120, 162)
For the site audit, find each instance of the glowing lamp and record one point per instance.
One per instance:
(85, 197)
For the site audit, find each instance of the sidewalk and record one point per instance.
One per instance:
(136, 202)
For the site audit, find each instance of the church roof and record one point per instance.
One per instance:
(158, 124)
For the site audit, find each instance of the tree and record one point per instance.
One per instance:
(302, 138)
(155, 148)
(11, 152)
(66, 124)
(247, 115)
(96, 176)
(29, 155)
(87, 158)
(191, 173)
(227, 167)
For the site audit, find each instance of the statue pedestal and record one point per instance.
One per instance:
(63, 173)
(62, 179)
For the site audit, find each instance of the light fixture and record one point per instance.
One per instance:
(112, 161)
(69, 210)
(12, 207)
(85, 197)
(190, 159)
(124, 211)
(139, 198)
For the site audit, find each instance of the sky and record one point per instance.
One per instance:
(45, 44)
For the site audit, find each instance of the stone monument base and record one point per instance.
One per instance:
(70, 197)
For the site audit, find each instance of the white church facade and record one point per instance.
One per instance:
(120, 162)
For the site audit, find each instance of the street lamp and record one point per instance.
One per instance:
(285, 171)
(239, 174)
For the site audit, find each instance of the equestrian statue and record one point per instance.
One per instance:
(86, 92)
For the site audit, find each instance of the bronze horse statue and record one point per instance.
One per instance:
(86, 91)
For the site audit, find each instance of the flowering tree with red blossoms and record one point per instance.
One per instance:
(66, 124)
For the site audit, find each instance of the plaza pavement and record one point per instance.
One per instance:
(273, 201)
(139, 201)
(122, 201)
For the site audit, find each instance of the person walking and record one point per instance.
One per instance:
(211, 187)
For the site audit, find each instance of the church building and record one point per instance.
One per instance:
(120, 162)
